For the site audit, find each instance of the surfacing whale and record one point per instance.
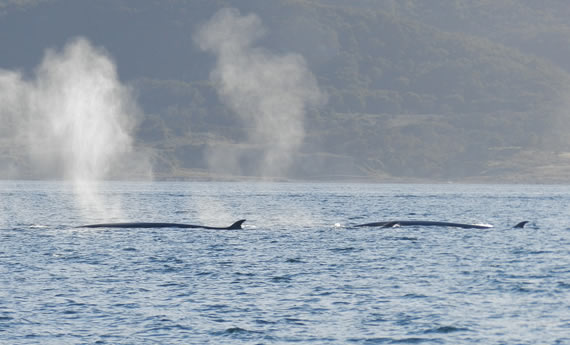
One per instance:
(234, 226)
(396, 223)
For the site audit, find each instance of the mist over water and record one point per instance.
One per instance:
(212, 210)
(269, 92)
(74, 118)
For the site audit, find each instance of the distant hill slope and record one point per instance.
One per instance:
(444, 90)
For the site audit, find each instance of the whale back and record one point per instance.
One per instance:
(234, 226)
(391, 224)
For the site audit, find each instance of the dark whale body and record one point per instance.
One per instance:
(392, 224)
(234, 226)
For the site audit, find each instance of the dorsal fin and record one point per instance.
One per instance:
(391, 224)
(236, 225)
(521, 224)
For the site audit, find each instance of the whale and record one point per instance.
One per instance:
(141, 225)
(396, 223)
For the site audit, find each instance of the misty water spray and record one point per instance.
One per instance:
(269, 92)
(75, 118)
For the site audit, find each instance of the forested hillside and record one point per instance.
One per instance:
(417, 90)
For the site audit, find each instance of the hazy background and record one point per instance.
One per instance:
(296, 89)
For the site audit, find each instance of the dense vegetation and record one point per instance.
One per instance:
(446, 90)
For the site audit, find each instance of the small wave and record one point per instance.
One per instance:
(412, 340)
(216, 307)
(163, 269)
(370, 340)
(281, 279)
(294, 321)
(169, 259)
(520, 288)
(264, 322)
(401, 238)
(294, 261)
(165, 328)
(236, 331)
(413, 295)
(524, 251)
(179, 195)
(446, 329)
(346, 249)
(171, 284)
(126, 305)
(375, 317)
(538, 252)
(205, 273)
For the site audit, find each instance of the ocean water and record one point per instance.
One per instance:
(298, 272)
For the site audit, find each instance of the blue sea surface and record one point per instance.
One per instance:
(298, 273)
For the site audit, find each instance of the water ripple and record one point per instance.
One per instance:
(281, 283)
